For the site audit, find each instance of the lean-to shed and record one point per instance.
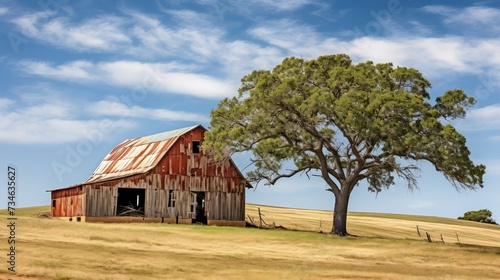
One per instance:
(164, 177)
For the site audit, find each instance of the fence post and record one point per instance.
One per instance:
(458, 239)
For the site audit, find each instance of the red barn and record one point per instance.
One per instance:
(163, 177)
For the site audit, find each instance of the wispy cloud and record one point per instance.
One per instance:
(485, 118)
(327, 11)
(494, 138)
(282, 5)
(50, 121)
(160, 77)
(3, 10)
(438, 56)
(193, 37)
(492, 167)
(285, 34)
(104, 33)
(41, 114)
(476, 16)
(6, 103)
(118, 109)
(250, 8)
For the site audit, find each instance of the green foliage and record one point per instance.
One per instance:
(483, 216)
(347, 122)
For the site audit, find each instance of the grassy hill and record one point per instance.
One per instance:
(396, 226)
(387, 247)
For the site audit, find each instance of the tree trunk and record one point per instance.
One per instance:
(340, 214)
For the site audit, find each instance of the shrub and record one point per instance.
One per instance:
(482, 216)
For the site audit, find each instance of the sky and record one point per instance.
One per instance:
(79, 77)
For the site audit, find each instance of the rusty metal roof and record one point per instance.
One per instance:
(136, 156)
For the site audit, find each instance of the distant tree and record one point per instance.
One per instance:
(348, 122)
(483, 216)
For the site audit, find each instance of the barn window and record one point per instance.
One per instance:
(196, 147)
(54, 203)
(70, 219)
(78, 219)
(171, 198)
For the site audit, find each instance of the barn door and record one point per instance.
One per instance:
(198, 207)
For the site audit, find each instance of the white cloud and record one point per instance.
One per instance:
(485, 118)
(249, 8)
(105, 33)
(285, 34)
(193, 35)
(48, 122)
(283, 5)
(5, 103)
(198, 42)
(28, 130)
(492, 167)
(116, 108)
(188, 18)
(475, 16)
(195, 39)
(241, 57)
(76, 70)
(160, 77)
(27, 24)
(494, 138)
(41, 114)
(435, 56)
(3, 10)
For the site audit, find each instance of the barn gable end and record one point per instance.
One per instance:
(164, 177)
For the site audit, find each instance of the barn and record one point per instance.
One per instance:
(164, 177)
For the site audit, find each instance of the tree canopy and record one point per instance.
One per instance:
(344, 122)
(482, 216)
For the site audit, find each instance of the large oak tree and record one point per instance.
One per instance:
(344, 122)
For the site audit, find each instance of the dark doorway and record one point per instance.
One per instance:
(130, 202)
(200, 208)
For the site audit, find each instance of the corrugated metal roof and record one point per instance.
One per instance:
(136, 156)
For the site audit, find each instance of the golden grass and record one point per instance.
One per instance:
(384, 225)
(387, 248)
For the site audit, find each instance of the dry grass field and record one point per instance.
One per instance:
(387, 247)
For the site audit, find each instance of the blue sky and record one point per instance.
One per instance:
(79, 77)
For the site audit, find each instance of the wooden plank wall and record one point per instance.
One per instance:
(225, 206)
(101, 199)
(70, 206)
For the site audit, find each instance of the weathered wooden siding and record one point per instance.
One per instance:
(101, 200)
(225, 206)
(185, 170)
(69, 202)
